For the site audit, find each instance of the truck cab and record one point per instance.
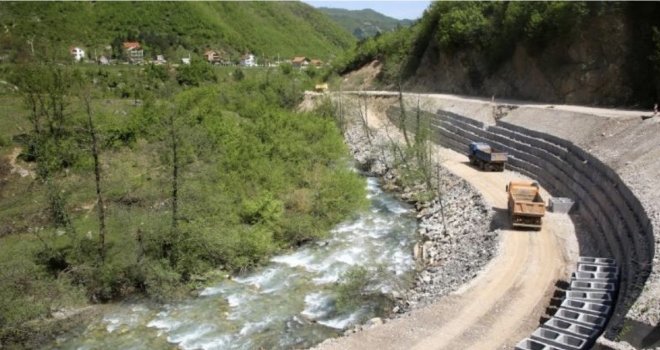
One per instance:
(485, 157)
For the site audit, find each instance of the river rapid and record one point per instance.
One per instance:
(289, 303)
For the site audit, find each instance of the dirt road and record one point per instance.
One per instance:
(504, 303)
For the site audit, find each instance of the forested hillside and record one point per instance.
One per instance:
(602, 53)
(263, 28)
(364, 23)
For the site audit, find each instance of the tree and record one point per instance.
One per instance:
(44, 88)
(195, 73)
(86, 99)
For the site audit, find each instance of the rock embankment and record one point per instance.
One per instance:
(455, 240)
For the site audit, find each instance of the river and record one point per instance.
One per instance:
(289, 303)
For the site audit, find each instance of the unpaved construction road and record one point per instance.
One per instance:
(504, 303)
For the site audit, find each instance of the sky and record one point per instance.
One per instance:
(396, 9)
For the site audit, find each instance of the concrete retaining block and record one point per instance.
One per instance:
(558, 339)
(597, 261)
(586, 307)
(583, 267)
(571, 328)
(594, 276)
(560, 205)
(588, 286)
(529, 344)
(580, 318)
(592, 297)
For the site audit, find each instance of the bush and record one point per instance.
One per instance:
(196, 73)
(238, 74)
(286, 68)
(4, 141)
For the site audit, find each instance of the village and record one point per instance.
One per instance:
(132, 52)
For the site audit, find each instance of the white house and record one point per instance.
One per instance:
(77, 53)
(160, 59)
(248, 60)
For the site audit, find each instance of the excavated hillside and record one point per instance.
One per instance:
(590, 67)
(591, 53)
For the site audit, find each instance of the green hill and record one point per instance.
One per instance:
(171, 28)
(364, 23)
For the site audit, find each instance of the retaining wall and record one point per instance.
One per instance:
(615, 223)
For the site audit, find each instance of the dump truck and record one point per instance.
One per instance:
(487, 158)
(526, 206)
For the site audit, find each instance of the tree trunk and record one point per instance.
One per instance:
(175, 181)
(97, 177)
(402, 117)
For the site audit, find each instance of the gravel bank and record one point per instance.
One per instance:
(455, 240)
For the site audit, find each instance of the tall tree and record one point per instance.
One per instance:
(86, 98)
(44, 88)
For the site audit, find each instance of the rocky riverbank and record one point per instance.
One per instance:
(455, 240)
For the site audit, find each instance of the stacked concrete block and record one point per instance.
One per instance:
(596, 261)
(593, 286)
(585, 310)
(530, 344)
(560, 205)
(594, 297)
(581, 318)
(558, 339)
(594, 276)
(571, 328)
(598, 268)
(586, 307)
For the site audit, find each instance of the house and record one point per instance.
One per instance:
(77, 53)
(160, 60)
(215, 57)
(300, 61)
(248, 60)
(133, 51)
(104, 61)
(185, 60)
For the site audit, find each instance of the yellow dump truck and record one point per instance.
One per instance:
(525, 204)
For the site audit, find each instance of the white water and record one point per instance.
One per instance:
(289, 303)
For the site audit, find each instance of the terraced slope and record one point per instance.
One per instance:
(611, 220)
(604, 159)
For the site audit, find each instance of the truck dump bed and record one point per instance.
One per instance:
(526, 205)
